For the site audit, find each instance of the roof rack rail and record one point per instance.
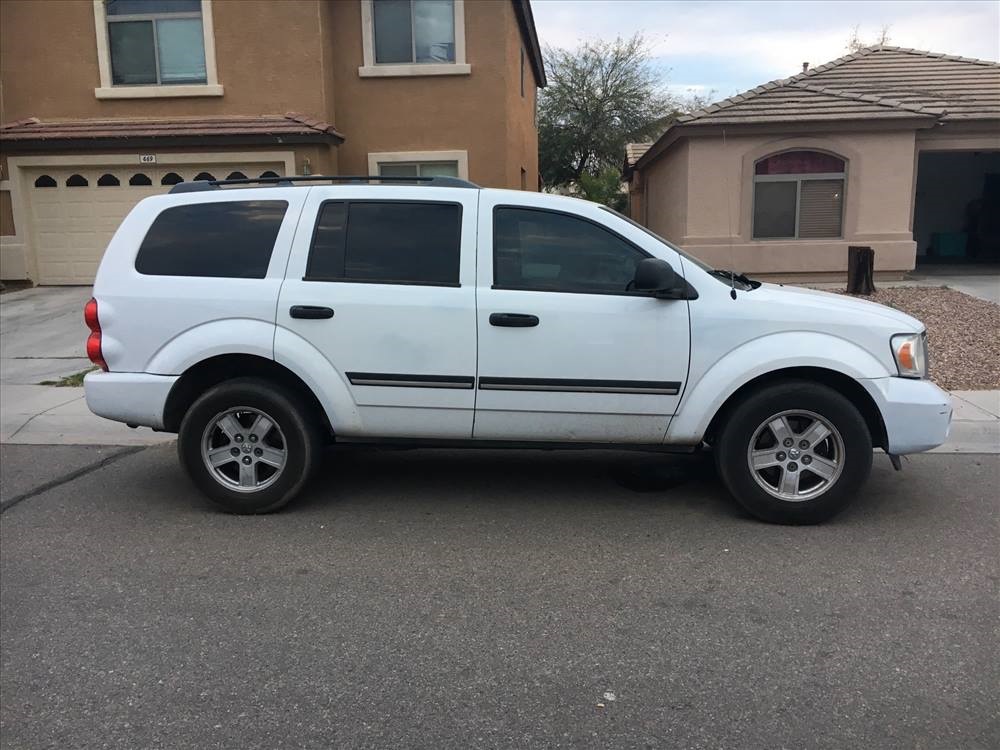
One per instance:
(202, 185)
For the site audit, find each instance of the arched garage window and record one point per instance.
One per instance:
(798, 195)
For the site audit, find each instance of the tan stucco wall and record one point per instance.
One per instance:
(666, 194)
(522, 135)
(268, 57)
(434, 113)
(719, 208)
(297, 56)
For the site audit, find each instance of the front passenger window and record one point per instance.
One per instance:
(547, 251)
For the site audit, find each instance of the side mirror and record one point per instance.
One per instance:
(656, 277)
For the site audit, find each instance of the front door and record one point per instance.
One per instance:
(566, 352)
(384, 288)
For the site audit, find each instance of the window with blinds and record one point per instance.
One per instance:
(799, 195)
(821, 206)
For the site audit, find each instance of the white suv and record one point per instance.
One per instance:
(260, 322)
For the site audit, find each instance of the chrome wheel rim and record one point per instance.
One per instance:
(796, 455)
(244, 449)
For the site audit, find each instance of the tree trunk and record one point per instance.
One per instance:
(860, 270)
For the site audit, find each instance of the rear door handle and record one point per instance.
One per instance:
(513, 320)
(310, 312)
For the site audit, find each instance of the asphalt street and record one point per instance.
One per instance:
(433, 599)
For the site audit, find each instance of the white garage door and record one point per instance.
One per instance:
(74, 211)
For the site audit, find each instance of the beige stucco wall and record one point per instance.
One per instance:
(666, 194)
(718, 185)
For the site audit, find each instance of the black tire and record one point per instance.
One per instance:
(734, 443)
(297, 435)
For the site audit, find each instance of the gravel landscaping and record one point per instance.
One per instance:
(963, 334)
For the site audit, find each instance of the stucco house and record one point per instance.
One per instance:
(892, 148)
(145, 93)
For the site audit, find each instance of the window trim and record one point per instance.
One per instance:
(391, 282)
(108, 90)
(462, 157)
(798, 179)
(372, 69)
(599, 225)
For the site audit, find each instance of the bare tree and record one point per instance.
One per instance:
(855, 42)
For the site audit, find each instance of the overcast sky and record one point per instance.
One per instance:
(729, 47)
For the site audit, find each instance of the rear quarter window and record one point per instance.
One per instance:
(229, 240)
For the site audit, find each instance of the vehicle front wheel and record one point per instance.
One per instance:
(249, 445)
(794, 453)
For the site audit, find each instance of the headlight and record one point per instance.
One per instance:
(910, 353)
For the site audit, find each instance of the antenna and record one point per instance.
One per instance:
(729, 227)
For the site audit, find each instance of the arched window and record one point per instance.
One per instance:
(205, 176)
(236, 176)
(798, 195)
(269, 173)
(171, 178)
(108, 180)
(76, 180)
(45, 181)
(139, 179)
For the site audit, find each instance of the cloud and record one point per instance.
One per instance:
(760, 41)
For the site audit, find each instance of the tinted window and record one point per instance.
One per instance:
(545, 251)
(407, 243)
(233, 239)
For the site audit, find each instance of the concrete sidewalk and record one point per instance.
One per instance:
(43, 415)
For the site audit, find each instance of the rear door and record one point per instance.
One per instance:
(382, 282)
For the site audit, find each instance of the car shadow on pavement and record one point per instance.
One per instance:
(513, 478)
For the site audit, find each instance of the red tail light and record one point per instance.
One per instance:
(94, 352)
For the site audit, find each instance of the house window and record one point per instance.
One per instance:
(419, 169)
(522, 72)
(413, 37)
(155, 48)
(414, 31)
(419, 164)
(799, 195)
(156, 42)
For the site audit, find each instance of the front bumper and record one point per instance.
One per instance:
(132, 397)
(916, 413)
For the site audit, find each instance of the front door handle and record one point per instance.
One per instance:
(513, 320)
(310, 312)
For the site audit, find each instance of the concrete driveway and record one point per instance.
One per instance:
(42, 334)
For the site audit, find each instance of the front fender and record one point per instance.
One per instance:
(779, 351)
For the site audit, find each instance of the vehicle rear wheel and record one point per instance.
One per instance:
(794, 453)
(249, 445)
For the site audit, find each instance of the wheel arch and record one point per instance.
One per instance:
(837, 381)
(214, 370)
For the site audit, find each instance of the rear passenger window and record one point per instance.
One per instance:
(232, 240)
(387, 242)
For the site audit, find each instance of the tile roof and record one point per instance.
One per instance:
(875, 83)
(870, 83)
(634, 151)
(271, 126)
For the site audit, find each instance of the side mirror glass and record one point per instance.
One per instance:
(656, 277)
